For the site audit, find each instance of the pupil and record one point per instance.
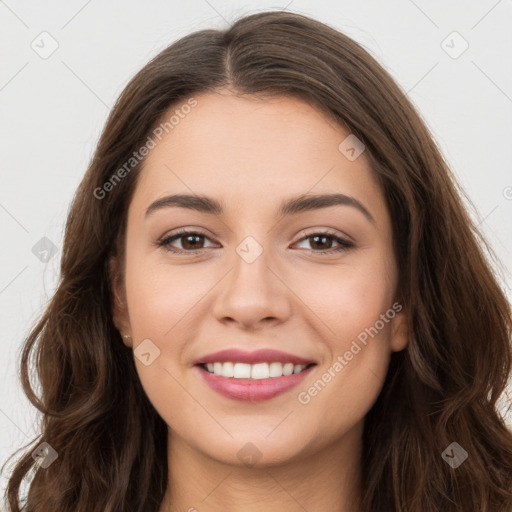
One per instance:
(315, 238)
(190, 246)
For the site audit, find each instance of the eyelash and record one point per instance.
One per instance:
(345, 245)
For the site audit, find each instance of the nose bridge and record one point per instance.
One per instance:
(252, 292)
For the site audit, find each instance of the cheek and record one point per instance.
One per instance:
(348, 303)
(160, 296)
(348, 298)
(162, 301)
(161, 308)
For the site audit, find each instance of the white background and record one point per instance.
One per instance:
(52, 111)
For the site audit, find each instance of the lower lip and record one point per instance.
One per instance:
(252, 390)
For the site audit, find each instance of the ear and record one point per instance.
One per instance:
(399, 329)
(119, 306)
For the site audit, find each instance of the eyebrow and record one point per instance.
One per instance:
(293, 206)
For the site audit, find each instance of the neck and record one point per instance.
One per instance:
(328, 479)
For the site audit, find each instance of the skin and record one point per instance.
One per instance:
(251, 153)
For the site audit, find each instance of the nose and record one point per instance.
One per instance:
(252, 294)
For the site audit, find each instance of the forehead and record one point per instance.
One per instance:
(250, 150)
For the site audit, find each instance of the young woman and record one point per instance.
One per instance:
(272, 298)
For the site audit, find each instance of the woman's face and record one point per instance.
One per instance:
(257, 275)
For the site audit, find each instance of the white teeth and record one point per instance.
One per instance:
(241, 371)
(260, 371)
(288, 369)
(275, 369)
(254, 371)
(228, 369)
(224, 369)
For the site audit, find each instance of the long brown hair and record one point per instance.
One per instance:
(443, 388)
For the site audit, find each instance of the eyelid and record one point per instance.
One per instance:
(182, 232)
(188, 230)
(345, 242)
(327, 231)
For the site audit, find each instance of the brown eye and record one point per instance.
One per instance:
(191, 242)
(322, 243)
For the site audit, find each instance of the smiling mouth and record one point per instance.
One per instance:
(256, 371)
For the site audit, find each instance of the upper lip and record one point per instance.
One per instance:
(266, 355)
